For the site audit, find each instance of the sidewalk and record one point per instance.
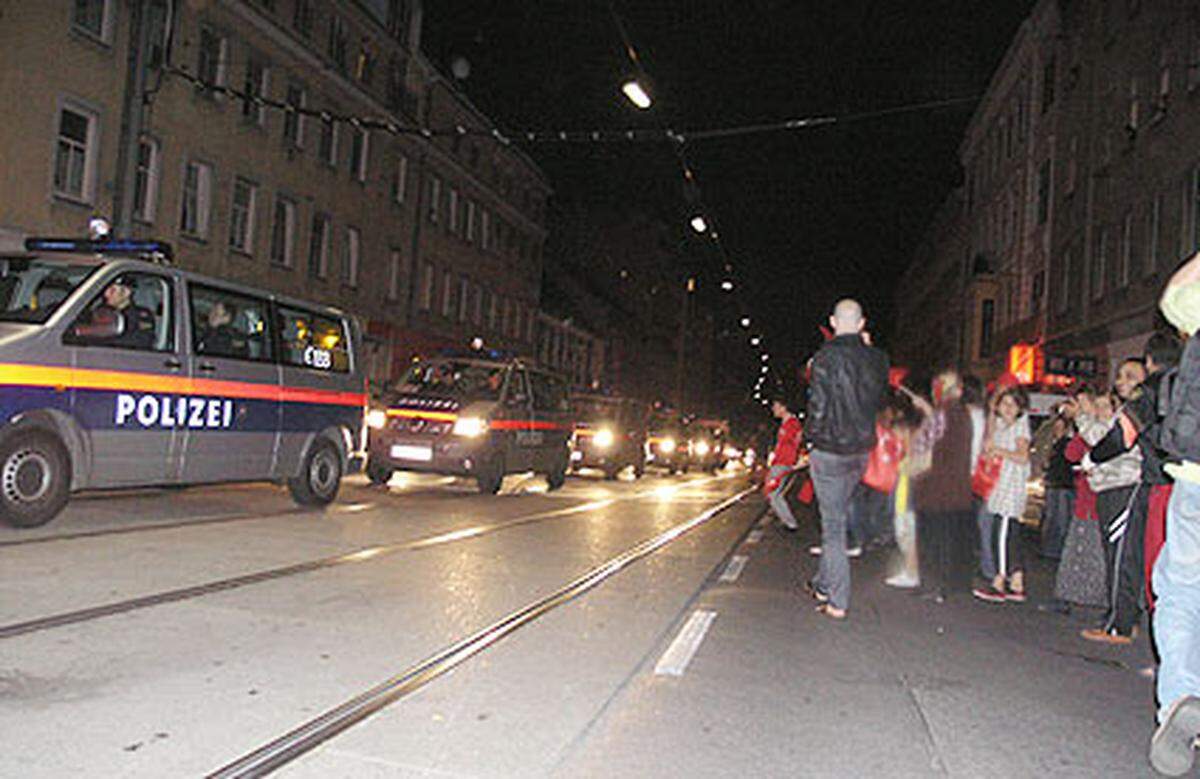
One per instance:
(905, 687)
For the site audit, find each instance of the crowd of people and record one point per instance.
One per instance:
(944, 477)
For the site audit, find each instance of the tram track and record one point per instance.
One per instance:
(360, 555)
(286, 748)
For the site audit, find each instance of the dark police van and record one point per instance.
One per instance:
(610, 434)
(118, 370)
(479, 414)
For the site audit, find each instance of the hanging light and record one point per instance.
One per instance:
(727, 285)
(698, 223)
(745, 321)
(755, 341)
(766, 357)
(636, 94)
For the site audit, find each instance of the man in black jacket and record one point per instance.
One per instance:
(849, 377)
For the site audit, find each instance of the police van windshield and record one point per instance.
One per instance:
(596, 409)
(31, 290)
(461, 380)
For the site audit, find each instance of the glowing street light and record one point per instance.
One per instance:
(755, 341)
(764, 369)
(637, 95)
(766, 357)
(745, 321)
(727, 285)
(698, 223)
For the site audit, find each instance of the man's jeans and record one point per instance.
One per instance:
(778, 496)
(835, 477)
(1177, 584)
(1056, 520)
(986, 521)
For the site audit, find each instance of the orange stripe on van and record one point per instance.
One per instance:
(432, 416)
(129, 381)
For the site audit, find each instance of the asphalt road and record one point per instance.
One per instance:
(173, 633)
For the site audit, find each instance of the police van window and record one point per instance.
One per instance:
(456, 379)
(549, 394)
(226, 324)
(31, 289)
(132, 312)
(313, 340)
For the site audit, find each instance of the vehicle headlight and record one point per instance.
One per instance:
(470, 427)
(604, 438)
(701, 448)
(376, 419)
(667, 445)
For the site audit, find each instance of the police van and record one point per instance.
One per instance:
(118, 370)
(478, 414)
(610, 434)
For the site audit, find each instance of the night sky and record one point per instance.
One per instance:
(807, 216)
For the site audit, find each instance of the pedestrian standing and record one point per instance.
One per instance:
(783, 463)
(903, 516)
(1008, 440)
(975, 399)
(1177, 571)
(945, 507)
(1059, 483)
(849, 377)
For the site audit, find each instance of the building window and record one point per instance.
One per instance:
(293, 120)
(255, 88)
(283, 231)
(92, 17)
(400, 180)
(318, 247)
(364, 64)
(471, 221)
(1048, 76)
(477, 307)
(210, 63)
(452, 223)
(393, 289)
(359, 154)
(303, 17)
(435, 198)
(1126, 260)
(447, 294)
(1066, 279)
(1153, 225)
(145, 184)
(1099, 258)
(1135, 107)
(485, 230)
(156, 32)
(327, 144)
(425, 301)
(241, 216)
(987, 316)
(75, 153)
(350, 257)
(464, 299)
(337, 42)
(197, 200)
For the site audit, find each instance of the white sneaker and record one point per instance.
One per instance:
(815, 550)
(903, 580)
(854, 551)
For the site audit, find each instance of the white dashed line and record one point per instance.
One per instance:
(754, 537)
(681, 651)
(732, 571)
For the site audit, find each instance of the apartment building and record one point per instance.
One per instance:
(278, 143)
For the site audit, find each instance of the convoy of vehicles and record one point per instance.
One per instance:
(118, 370)
(709, 442)
(610, 434)
(667, 444)
(480, 414)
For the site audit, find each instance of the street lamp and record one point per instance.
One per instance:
(638, 96)
(764, 369)
(698, 223)
(755, 341)
(766, 357)
(745, 321)
(727, 285)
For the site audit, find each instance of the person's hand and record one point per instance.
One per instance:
(866, 337)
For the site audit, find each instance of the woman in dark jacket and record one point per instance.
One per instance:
(945, 510)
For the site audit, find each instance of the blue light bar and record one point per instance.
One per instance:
(84, 246)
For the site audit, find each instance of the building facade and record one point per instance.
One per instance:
(1082, 186)
(235, 130)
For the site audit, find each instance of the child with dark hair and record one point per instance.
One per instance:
(1008, 439)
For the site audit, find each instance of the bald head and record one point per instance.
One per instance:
(847, 317)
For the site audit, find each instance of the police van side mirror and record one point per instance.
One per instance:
(100, 325)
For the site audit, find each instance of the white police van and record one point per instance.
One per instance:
(118, 370)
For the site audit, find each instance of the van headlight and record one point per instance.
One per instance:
(470, 427)
(604, 438)
(667, 445)
(376, 419)
(702, 448)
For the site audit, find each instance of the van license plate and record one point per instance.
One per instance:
(422, 453)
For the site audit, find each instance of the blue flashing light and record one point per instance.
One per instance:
(84, 246)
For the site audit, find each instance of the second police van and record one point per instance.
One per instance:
(120, 371)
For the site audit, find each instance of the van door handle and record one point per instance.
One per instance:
(173, 363)
(206, 367)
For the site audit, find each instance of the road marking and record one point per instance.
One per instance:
(766, 520)
(754, 537)
(737, 564)
(681, 651)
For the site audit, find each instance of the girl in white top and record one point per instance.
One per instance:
(1008, 439)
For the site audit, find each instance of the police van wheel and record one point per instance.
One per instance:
(611, 472)
(320, 476)
(489, 476)
(557, 476)
(639, 470)
(35, 479)
(378, 474)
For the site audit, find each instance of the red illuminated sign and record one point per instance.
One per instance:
(1026, 363)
